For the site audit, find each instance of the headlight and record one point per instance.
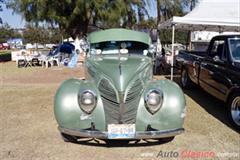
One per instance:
(153, 100)
(87, 101)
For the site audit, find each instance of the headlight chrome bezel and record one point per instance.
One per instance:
(87, 108)
(148, 99)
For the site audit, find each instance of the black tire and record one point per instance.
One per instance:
(185, 81)
(234, 110)
(68, 138)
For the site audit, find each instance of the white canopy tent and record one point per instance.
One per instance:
(208, 15)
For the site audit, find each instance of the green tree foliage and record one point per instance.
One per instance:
(1, 3)
(180, 37)
(33, 34)
(169, 8)
(74, 16)
(6, 32)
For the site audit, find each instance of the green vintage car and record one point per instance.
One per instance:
(119, 99)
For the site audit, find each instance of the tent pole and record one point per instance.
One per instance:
(173, 32)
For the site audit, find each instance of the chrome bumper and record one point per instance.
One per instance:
(138, 135)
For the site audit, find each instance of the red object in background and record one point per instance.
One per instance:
(4, 46)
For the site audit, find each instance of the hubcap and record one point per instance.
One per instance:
(184, 78)
(235, 110)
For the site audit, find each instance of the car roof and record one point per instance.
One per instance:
(119, 34)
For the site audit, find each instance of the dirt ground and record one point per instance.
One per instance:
(28, 129)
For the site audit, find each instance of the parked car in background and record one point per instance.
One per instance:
(217, 71)
(4, 46)
(119, 100)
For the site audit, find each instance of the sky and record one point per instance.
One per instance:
(16, 21)
(13, 19)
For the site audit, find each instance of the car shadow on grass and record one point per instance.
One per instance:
(209, 103)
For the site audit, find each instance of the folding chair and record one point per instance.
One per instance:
(28, 61)
(35, 62)
(20, 61)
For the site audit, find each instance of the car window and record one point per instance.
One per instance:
(234, 48)
(113, 47)
(218, 50)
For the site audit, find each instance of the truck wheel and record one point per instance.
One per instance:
(185, 80)
(234, 110)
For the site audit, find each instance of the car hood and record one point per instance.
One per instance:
(120, 70)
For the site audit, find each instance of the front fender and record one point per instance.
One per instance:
(67, 110)
(171, 114)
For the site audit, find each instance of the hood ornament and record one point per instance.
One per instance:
(120, 68)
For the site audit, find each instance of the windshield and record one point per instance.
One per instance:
(114, 47)
(234, 48)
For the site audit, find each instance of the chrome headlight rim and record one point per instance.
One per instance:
(91, 106)
(150, 107)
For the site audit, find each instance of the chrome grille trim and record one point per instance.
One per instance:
(110, 102)
(134, 91)
(132, 101)
(112, 106)
(107, 91)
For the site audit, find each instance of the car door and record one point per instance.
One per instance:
(213, 71)
(193, 68)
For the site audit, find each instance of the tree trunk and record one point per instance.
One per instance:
(158, 11)
(159, 46)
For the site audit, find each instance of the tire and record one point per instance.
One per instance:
(185, 81)
(234, 110)
(68, 138)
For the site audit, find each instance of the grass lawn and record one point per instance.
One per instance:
(28, 129)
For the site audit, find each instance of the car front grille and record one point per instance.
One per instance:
(112, 104)
(132, 101)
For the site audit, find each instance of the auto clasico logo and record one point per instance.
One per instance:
(186, 154)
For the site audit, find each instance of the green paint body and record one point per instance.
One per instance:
(66, 107)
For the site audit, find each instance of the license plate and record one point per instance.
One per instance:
(118, 131)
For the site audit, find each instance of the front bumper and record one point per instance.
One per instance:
(138, 135)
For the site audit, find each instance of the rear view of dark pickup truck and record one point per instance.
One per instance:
(217, 71)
